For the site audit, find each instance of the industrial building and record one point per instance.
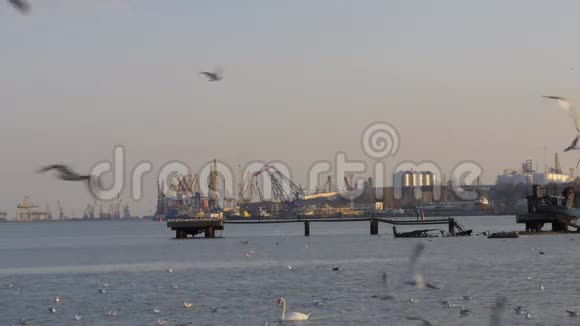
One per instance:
(26, 211)
(528, 176)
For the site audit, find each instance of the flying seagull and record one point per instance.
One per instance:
(20, 5)
(573, 145)
(418, 280)
(65, 173)
(216, 75)
(569, 107)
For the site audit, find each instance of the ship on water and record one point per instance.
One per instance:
(27, 211)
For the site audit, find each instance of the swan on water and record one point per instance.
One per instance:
(292, 315)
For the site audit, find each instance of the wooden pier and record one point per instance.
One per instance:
(186, 227)
(192, 227)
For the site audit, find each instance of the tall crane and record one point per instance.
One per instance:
(278, 179)
(212, 193)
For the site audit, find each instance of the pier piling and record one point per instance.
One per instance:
(374, 227)
(307, 228)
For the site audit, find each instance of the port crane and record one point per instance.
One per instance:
(290, 200)
(326, 187)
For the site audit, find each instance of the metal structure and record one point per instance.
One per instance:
(290, 200)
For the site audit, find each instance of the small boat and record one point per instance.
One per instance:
(504, 235)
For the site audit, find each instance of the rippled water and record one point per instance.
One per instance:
(231, 283)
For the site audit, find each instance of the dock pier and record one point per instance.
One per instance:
(184, 228)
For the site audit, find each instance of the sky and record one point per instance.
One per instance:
(459, 80)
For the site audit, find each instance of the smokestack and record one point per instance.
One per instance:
(557, 168)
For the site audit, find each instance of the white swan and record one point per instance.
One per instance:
(293, 315)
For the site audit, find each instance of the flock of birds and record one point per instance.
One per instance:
(414, 279)
(66, 173)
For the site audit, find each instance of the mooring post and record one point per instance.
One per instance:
(374, 227)
(451, 226)
(209, 232)
(307, 228)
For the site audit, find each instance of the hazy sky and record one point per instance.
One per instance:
(460, 80)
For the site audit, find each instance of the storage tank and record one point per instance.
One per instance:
(407, 179)
(417, 179)
(427, 179)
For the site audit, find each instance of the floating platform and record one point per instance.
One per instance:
(535, 221)
(192, 227)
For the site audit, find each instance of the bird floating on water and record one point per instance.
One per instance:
(572, 313)
(162, 321)
(289, 267)
(78, 317)
(293, 316)
(52, 310)
(156, 311)
(112, 313)
(335, 268)
(187, 304)
(102, 291)
(56, 299)
(464, 311)
(519, 310)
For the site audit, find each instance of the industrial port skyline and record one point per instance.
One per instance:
(290, 98)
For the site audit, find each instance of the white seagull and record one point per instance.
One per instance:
(418, 280)
(568, 106)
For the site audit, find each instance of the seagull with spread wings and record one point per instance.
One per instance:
(216, 75)
(67, 174)
(569, 107)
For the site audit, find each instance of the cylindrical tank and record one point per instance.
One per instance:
(407, 179)
(417, 179)
(427, 179)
